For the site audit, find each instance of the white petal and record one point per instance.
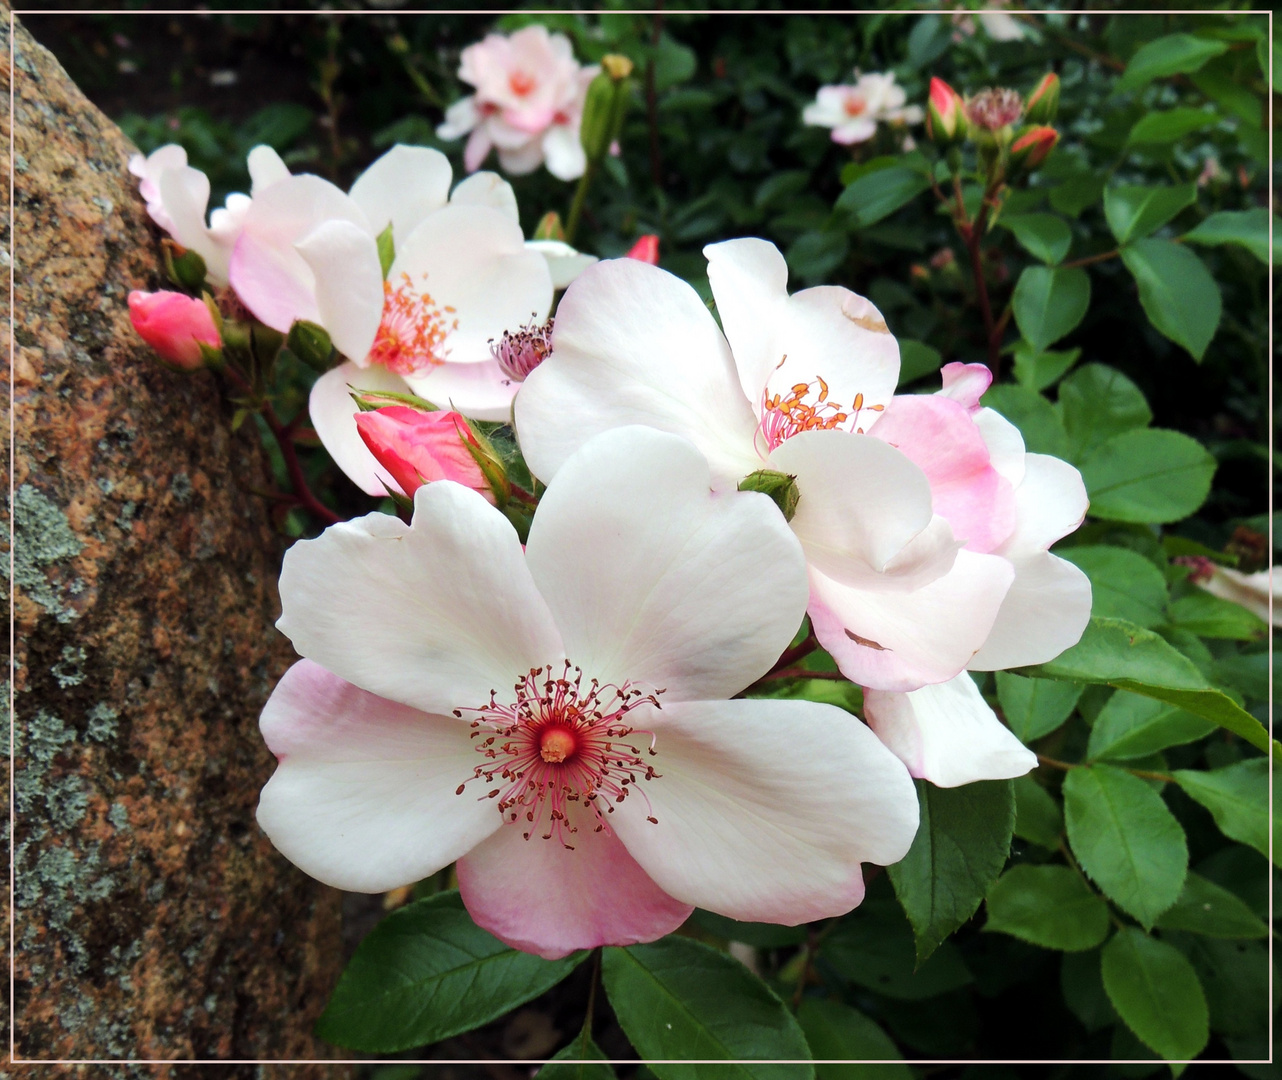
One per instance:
(269, 275)
(349, 284)
(364, 796)
(635, 345)
(1251, 591)
(564, 263)
(565, 156)
(749, 280)
(333, 416)
(487, 189)
(902, 640)
(947, 734)
(1050, 503)
(1000, 26)
(435, 614)
(1005, 444)
(481, 391)
(403, 187)
(766, 809)
(473, 259)
(858, 130)
(460, 118)
(517, 160)
(652, 578)
(1045, 612)
(185, 194)
(265, 168)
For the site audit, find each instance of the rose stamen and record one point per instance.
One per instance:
(414, 329)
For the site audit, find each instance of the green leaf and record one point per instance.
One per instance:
(1177, 292)
(1097, 402)
(1036, 418)
(1044, 236)
(1148, 475)
(1050, 906)
(1037, 816)
(1124, 584)
(1131, 726)
(1075, 195)
(1235, 976)
(1035, 707)
(758, 935)
(1049, 303)
(815, 254)
(1238, 797)
(1248, 228)
(1206, 908)
(1135, 212)
(1128, 657)
(960, 848)
(1038, 370)
(1175, 54)
(1126, 839)
(427, 972)
(673, 62)
(1169, 125)
(677, 998)
(581, 1060)
(878, 194)
(386, 249)
(837, 1032)
(917, 360)
(1083, 990)
(1156, 992)
(1212, 617)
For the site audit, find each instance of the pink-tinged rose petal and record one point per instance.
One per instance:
(646, 249)
(1044, 613)
(173, 324)
(947, 734)
(938, 435)
(966, 383)
(333, 416)
(419, 447)
(538, 896)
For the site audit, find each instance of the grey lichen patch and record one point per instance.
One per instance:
(68, 670)
(118, 815)
(126, 515)
(181, 487)
(66, 802)
(42, 537)
(102, 723)
(106, 485)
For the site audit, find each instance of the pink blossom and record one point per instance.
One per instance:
(418, 447)
(175, 325)
(853, 112)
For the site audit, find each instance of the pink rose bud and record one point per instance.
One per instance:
(419, 447)
(1043, 102)
(175, 325)
(945, 116)
(646, 250)
(1031, 148)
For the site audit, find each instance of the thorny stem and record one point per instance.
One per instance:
(329, 71)
(521, 495)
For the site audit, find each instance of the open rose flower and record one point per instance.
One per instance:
(895, 596)
(558, 719)
(528, 103)
(853, 112)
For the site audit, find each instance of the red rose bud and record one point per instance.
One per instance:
(175, 325)
(1043, 102)
(1031, 148)
(646, 250)
(945, 116)
(420, 447)
(550, 227)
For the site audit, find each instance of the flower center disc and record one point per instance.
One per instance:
(412, 335)
(556, 744)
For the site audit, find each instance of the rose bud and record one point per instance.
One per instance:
(1043, 102)
(945, 116)
(419, 447)
(175, 325)
(1031, 148)
(646, 250)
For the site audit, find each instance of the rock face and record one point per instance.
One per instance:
(153, 918)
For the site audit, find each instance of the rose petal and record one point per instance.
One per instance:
(333, 416)
(402, 188)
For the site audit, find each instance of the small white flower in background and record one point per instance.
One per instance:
(853, 112)
(528, 103)
(996, 23)
(560, 720)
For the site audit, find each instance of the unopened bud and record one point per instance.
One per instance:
(186, 269)
(605, 106)
(311, 344)
(176, 326)
(1043, 102)
(520, 353)
(1031, 147)
(646, 250)
(781, 488)
(616, 66)
(369, 400)
(550, 227)
(945, 114)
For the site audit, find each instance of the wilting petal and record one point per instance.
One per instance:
(635, 345)
(333, 416)
(473, 259)
(652, 578)
(1050, 503)
(766, 809)
(364, 796)
(537, 896)
(565, 156)
(1044, 613)
(481, 391)
(402, 188)
(487, 189)
(902, 640)
(435, 614)
(947, 734)
(348, 285)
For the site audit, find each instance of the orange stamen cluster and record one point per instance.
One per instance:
(414, 329)
(560, 743)
(806, 408)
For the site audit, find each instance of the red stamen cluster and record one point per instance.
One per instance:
(994, 108)
(558, 743)
(413, 331)
(783, 417)
(520, 353)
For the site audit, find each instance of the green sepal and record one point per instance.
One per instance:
(386, 250)
(781, 488)
(185, 268)
(369, 400)
(311, 344)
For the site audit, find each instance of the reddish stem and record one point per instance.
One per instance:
(791, 655)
